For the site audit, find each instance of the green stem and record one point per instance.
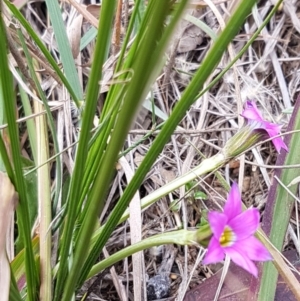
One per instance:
(180, 237)
(241, 141)
(206, 166)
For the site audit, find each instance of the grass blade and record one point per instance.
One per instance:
(7, 97)
(44, 50)
(136, 90)
(64, 47)
(279, 205)
(93, 87)
(170, 125)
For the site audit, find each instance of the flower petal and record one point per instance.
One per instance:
(233, 206)
(245, 224)
(215, 252)
(217, 222)
(242, 260)
(274, 130)
(279, 144)
(251, 111)
(254, 249)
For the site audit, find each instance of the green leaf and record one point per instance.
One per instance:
(189, 96)
(151, 32)
(7, 97)
(65, 284)
(202, 26)
(45, 52)
(88, 37)
(64, 47)
(280, 203)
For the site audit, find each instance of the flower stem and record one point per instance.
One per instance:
(206, 166)
(180, 237)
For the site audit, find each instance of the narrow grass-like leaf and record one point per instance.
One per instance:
(202, 26)
(244, 49)
(44, 50)
(64, 47)
(14, 294)
(17, 265)
(43, 155)
(149, 46)
(128, 33)
(30, 122)
(7, 97)
(165, 189)
(282, 267)
(189, 96)
(88, 37)
(104, 30)
(5, 159)
(148, 104)
(110, 111)
(279, 204)
(43, 183)
(107, 118)
(2, 145)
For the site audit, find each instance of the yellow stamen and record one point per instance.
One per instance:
(227, 238)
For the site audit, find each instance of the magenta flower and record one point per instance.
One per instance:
(233, 234)
(252, 114)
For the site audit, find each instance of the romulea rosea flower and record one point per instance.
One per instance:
(254, 117)
(255, 130)
(233, 234)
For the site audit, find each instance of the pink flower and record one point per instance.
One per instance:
(233, 234)
(252, 114)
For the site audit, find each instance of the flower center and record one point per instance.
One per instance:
(227, 238)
